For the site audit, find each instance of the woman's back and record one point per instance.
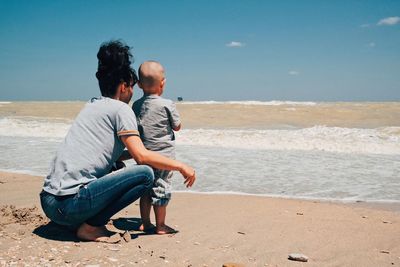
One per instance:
(91, 146)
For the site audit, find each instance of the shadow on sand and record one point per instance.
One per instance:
(132, 224)
(53, 231)
(127, 224)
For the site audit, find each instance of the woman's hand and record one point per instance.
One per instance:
(143, 156)
(189, 174)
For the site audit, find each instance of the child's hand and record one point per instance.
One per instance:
(189, 174)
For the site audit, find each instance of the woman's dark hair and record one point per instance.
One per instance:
(114, 67)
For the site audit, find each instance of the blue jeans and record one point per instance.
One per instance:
(96, 202)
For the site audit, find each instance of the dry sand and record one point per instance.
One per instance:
(213, 230)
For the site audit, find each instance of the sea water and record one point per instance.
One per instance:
(317, 162)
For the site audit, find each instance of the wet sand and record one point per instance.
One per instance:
(217, 116)
(213, 230)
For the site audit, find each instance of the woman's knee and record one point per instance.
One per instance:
(149, 174)
(146, 173)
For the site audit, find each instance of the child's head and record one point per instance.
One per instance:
(151, 77)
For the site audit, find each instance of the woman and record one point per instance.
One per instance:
(80, 192)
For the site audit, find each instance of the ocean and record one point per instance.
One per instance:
(339, 151)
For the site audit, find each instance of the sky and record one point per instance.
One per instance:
(310, 50)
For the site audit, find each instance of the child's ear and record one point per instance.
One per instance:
(139, 84)
(163, 83)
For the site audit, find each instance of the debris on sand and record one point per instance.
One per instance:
(298, 257)
(10, 214)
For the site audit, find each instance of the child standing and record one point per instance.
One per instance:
(157, 118)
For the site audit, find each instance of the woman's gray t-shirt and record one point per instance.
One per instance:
(91, 146)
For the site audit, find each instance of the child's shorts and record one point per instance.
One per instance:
(161, 191)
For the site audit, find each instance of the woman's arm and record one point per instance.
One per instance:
(143, 156)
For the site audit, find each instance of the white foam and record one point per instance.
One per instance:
(2, 103)
(324, 199)
(33, 127)
(259, 103)
(385, 140)
(332, 139)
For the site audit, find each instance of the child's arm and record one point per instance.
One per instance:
(174, 117)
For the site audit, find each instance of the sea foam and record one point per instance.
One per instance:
(384, 140)
(2, 103)
(257, 103)
(33, 127)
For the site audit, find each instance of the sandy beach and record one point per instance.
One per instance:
(213, 230)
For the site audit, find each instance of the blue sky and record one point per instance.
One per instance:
(212, 50)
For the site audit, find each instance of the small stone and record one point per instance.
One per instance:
(364, 217)
(127, 236)
(387, 222)
(299, 213)
(115, 238)
(196, 243)
(113, 259)
(113, 248)
(298, 257)
(385, 251)
(232, 264)
(241, 233)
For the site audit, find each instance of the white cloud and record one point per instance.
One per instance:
(389, 21)
(371, 44)
(294, 72)
(235, 44)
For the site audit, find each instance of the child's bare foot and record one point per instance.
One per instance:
(147, 227)
(87, 232)
(165, 229)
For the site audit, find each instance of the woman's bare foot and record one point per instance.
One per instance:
(147, 227)
(165, 229)
(87, 232)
